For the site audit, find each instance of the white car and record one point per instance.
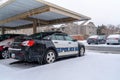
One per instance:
(113, 39)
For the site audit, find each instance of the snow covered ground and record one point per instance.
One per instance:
(93, 66)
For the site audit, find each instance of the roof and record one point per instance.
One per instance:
(21, 13)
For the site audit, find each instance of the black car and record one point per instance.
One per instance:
(5, 41)
(45, 47)
(97, 39)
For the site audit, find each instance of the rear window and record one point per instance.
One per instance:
(95, 36)
(40, 35)
(102, 37)
(1, 37)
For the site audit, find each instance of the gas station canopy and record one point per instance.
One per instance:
(30, 13)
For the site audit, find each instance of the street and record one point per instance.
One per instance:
(102, 48)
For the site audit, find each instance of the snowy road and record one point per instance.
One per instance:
(103, 48)
(93, 66)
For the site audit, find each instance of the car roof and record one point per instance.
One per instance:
(114, 36)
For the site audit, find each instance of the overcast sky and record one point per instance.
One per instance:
(101, 11)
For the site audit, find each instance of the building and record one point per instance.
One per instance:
(88, 29)
(79, 31)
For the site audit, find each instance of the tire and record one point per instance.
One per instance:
(5, 54)
(89, 43)
(108, 44)
(49, 57)
(82, 51)
(96, 43)
(0, 55)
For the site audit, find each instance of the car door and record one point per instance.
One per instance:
(63, 46)
(72, 44)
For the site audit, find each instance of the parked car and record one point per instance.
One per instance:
(97, 39)
(5, 41)
(45, 47)
(113, 39)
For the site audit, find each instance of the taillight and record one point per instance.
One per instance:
(28, 43)
(1, 48)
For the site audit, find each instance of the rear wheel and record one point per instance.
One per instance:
(50, 57)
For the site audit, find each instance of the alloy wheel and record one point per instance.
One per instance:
(50, 57)
(5, 54)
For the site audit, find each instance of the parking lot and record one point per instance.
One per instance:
(93, 66)
(103, 48)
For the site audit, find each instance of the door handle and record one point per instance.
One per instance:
(69, 42)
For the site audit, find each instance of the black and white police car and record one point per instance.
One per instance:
(45, 47)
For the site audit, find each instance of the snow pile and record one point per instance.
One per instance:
(4, 69)
(93, 66)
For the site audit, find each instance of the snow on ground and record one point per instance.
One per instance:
(93, 66)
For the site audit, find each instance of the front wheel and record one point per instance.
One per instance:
(89, 43)
(5, 54)
(82, 51)
(108, 44)
(50, 57)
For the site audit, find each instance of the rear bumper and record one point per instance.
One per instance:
(112, 41)
(92, 41)
(17, 54)
(24, 55)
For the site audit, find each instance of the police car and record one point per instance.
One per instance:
(45, 47)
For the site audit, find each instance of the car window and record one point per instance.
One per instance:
(58, 37)
(40, 35)
(53, 37)
(101, 37)
(47, 37)
(7, 36)
(68, 38)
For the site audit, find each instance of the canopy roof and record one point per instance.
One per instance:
(24, 13)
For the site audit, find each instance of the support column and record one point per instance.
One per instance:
(2, 30)
(34, 27)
